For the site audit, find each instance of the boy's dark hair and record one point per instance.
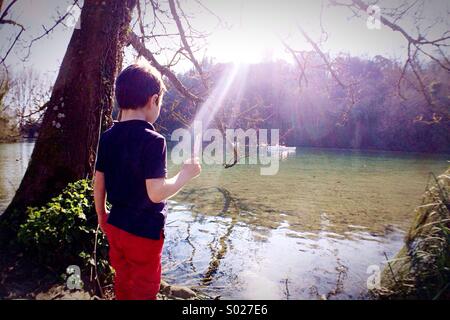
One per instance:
(136, 84)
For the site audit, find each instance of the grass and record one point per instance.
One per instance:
(421, 270)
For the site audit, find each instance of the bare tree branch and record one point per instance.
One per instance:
(142, 50)
(415, 45)
(185, 43)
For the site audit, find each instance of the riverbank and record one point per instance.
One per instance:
(421, 269)
(60, 247)
(21, 278)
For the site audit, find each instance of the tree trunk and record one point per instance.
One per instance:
(79, 108)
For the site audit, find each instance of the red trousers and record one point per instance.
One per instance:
(137, 263)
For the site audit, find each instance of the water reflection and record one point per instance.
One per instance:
(312, 231)
(265, 263)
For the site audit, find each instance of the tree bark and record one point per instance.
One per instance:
(78, 110)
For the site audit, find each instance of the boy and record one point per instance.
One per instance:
(131, 172)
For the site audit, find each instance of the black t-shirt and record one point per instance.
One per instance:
(129, 153)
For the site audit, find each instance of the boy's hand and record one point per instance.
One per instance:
(191, 168)
(103, 220)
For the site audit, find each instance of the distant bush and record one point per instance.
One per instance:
(63, 232)
(8, 129)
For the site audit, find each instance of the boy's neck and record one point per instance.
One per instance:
(132, 114)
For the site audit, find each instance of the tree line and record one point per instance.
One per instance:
(312, 109)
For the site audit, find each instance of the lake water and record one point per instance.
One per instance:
(310, 231)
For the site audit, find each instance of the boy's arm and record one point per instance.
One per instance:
(162, 189)
(100, 198)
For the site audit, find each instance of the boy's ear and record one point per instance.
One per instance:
(151, 101)
(154, 99)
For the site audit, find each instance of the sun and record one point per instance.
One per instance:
(247, 47)
(243, 46)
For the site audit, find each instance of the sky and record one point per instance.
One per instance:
(250, 30)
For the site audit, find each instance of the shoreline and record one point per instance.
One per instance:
(20, 279)
(366, 150)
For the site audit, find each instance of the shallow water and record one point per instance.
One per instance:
(311, 231)
(14, 159)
